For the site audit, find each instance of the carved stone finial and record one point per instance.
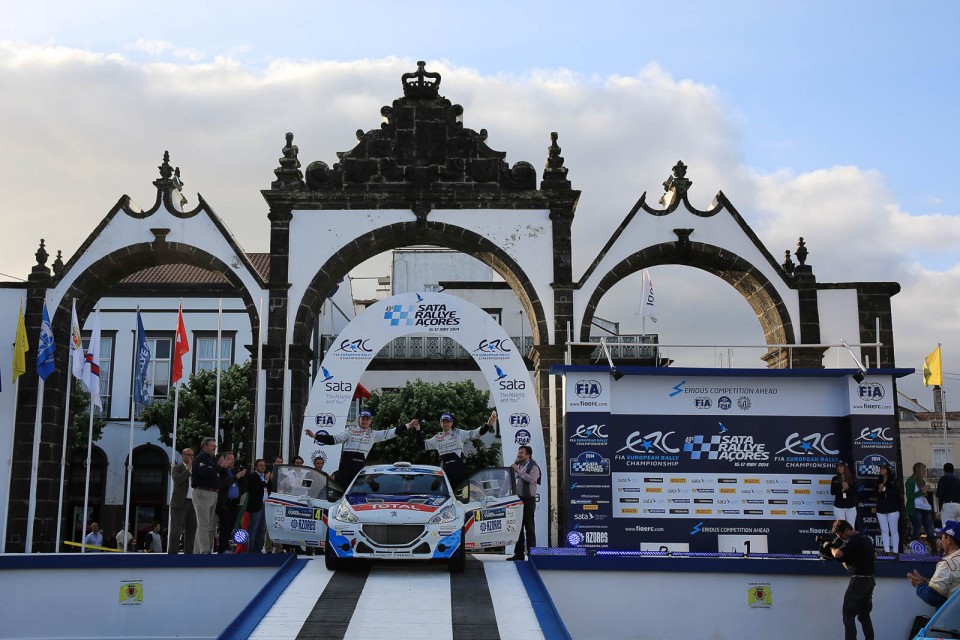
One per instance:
(165, 169)
(41, 253)
(421, 83)
(788, 262)
(289, 177)
(177, 182)
(58, 264)
(678, 182)
(554, 174)
(801, 251)
(683, 239)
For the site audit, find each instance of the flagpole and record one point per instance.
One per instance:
(86, 484)
(34, 467)
(256, 405)
(216, 411)
(6, 517)
(173, 461)
(943, 407)
(133, 412)
(63, 457)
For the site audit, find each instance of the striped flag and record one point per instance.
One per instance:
(76, 345)
(91, 365)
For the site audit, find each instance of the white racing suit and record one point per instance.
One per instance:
(450, 447)
(357, 443)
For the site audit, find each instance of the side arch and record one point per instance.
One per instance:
(756, 289)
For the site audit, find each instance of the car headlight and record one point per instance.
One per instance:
(344, 514)
(447, 514)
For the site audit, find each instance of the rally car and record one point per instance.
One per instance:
(396, 511)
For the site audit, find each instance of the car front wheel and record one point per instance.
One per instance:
(330, 558)
(458, 561)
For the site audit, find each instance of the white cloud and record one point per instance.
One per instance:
(87, 128)
(159, 48)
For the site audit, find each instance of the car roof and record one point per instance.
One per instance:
(404, 469)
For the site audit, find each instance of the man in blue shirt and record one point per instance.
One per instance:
(228, 501)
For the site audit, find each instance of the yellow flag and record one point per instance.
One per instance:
(933, 369)
(20, 348)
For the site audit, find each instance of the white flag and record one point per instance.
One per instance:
(76, 345)
(91, 365)
(647, 308)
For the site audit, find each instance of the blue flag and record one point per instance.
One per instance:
(141, 387)
(45, 363)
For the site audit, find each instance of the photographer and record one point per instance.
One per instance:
(946, 577)
(857, 553)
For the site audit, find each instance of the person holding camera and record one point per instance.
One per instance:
(857, 553)
(946, 577)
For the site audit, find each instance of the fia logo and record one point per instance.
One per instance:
(870, 391)
(519, 420)
(588, 389)
(326, 420)
(702, 402)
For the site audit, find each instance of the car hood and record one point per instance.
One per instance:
(395, 509)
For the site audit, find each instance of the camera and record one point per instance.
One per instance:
(822, 539)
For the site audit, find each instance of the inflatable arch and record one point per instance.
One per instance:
(511, 387)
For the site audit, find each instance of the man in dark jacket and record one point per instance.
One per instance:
(857, 553)
(205, 480)
(257, 491)
(183, 518)
(228, 501)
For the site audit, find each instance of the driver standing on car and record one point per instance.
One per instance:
(357, 441)
(449, 444)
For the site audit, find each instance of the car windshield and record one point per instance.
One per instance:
(299, 481)
(400, 484)
(947, 618)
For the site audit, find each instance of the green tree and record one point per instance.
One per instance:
(426, 401)
(80, 427)
(197, 410)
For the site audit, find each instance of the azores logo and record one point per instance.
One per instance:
(589, 463)
(574, 538)
(588, 389)
(522, 436)
(421, 315)
(811, 445)
(651, 443)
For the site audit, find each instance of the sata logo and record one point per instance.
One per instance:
(497, 346)
(588, 389)
(358, 346)
(813, 444)
(870, 391)
(656, 440)
(522, 437)
(326, 420)
(507, 384)
(330, 382)
(519, 420)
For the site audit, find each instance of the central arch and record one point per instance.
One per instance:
(435, 314)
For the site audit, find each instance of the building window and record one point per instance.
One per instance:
(106, 367)
(496, 314)
(205, 350)
(159, 369)
(940, 455)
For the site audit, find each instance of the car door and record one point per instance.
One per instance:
(493, 510)
(297, 511)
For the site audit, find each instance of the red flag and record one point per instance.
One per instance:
(181, 347)
(361, 393)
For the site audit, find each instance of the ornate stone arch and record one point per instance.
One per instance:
(756, 288)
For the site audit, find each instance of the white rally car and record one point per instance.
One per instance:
(396, 511)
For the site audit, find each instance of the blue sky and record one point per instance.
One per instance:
(830, 120)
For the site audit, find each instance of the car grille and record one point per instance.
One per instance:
(392, 534)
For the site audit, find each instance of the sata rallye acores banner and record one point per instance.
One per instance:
(710, 463)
